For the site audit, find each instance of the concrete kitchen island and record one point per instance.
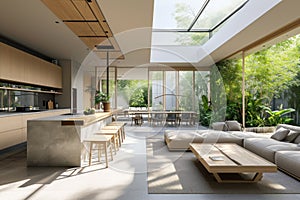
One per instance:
(58, 140)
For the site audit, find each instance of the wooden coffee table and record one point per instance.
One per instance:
(222, 159)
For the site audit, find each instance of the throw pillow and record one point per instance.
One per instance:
(233, 125)
(297, 140)
(291, 136)
(219, 126)
(280, 134)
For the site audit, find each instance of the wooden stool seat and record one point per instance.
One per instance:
(115, 127)
(113, 133)
(122, 124)
(103, 142)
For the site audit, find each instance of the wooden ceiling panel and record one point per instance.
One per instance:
(95, 26)
(99, 15)
(63, 9)
(84, 9)
(106, 28)
(92, 41)
(87, 21)
(96, 10)
(112, 55)
(80, 28)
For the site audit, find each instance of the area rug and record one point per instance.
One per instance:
(180, 172)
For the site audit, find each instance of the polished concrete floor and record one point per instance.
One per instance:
(126, 177)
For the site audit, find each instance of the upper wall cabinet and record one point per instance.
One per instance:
(21, 67)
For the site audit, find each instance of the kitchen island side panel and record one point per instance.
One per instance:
(50, 143)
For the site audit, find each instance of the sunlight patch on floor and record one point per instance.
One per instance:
(169, 178)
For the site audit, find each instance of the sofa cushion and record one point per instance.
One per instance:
(180, 139)
(212, 136)
(266, 147)
(297, 140)
(288, 126)
(219, 126)
(280, 134)
(289, 161)
(233, 125)
(291, 136)
(243, 134)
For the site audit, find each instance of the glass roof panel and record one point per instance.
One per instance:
(215, 12)
(190, 22)
(179, 38)
(175, 14)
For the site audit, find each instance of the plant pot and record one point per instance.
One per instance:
(106, 106)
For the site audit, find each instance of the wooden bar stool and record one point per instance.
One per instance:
(114, 134)
(103, 142)
(115, 127)
(119, 124)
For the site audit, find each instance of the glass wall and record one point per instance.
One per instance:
(186, 90)
(156, 83)
(178, 89)
(171, 96)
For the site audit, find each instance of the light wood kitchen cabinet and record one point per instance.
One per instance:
(11, 132)
(13, 129)
(19, 66)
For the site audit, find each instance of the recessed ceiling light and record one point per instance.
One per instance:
(104, 47)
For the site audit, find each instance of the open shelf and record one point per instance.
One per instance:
(29, 90)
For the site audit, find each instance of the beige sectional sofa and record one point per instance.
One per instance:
(221, 132)
(285, 153)
(181, 139)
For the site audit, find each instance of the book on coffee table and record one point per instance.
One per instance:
(216, 158)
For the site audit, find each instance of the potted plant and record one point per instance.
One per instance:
(101, 97)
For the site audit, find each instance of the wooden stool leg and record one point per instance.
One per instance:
(105, 151)
(90, 153)
(111, 154)
(99, 152)
(120, 136)
(118, 140)
(113, 143)
(123, 132)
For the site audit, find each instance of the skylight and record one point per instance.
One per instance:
(190, 22)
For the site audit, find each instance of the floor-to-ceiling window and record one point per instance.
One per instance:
(156, 83)
(186, 90)
(177, 89)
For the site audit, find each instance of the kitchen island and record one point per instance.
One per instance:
(58, 140)
(13, 129)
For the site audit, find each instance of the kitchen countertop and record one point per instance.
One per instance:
(8, 114)
(78, 119)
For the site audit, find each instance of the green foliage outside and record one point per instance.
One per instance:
(269, 73)
(134, 91)
(139, 98)
(205, 111)
(278, 116)
(183, 16)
